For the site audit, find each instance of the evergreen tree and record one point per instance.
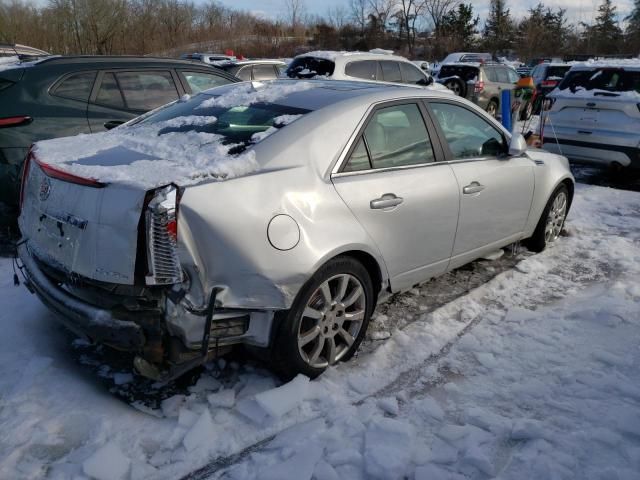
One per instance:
(499, 29)
(460, 27)
(605, 35)
(633, 28)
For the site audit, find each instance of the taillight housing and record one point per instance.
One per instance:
(161, 216)
(15, 121)
(549, 83)
(479, 86)
(64, 176)
(25, 173)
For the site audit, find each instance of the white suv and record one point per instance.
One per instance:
(595, 114)
(373, 67)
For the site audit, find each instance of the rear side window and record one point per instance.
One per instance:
(411, 74)
(263, 72)
(391, 71)
(502, 75)
(147, 90)
(109, 93)
(491, 74)
(609, 79)
(244, 73)
(199, 81)
(309, 67)
(77, 86)
(395, 136)
(365, 69)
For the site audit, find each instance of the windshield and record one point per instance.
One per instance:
(309, 67)
(237, 126)
(610, 79)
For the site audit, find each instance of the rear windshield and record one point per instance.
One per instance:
(557, 73)
(309, 67)
(610, 79)
(465, 73)
(239, 126)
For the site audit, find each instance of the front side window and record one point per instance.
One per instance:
(412, 74)
(77, 86)
(390, 71)
(365, 69)
(199, 81)
(147, 90)
(395, 136)
(467, 134)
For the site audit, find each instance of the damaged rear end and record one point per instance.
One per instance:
(105, 258)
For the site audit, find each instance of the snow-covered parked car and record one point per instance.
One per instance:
(376, 66)
(274, 215)
(595, 114)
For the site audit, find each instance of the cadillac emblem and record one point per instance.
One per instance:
(45, 189)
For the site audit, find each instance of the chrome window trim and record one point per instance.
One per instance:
(356, 133)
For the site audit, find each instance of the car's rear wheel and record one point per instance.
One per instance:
(492, 108)
(551, 222)
(327, 321)
(456, 86)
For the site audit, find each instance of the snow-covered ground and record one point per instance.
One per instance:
(533, 374)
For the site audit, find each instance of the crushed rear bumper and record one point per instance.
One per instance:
(86, 320)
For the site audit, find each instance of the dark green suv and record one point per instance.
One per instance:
(62, 96)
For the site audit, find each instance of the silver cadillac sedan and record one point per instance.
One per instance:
(275, 215)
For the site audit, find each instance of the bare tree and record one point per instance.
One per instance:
(296, 10)
(408, 14)
(437, 10)
(359, 13)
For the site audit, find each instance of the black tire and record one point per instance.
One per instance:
(537, 242)
(492, 108)
(286, 359)
(457, 86)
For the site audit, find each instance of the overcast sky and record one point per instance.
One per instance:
(578, 10)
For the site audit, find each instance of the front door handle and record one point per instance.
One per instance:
(386, 201)
(473, 187)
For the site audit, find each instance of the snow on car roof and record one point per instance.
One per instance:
(332, 55)
(627, 63)
(9, 63)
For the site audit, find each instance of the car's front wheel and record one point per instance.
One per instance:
(492, 108)
(551, 222)
(327, 321)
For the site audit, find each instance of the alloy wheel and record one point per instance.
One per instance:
(332, 320)
(454, 87)
(555, 218)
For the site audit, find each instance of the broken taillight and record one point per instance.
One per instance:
(163, 265)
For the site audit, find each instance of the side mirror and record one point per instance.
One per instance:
(517, 145)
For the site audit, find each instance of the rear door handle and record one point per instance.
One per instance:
(386, 201)
(473, 187)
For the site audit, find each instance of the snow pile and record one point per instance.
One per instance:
(108, 463)
(531, 375)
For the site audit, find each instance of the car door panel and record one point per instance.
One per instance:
(496, 191)
(415, 237)
(405, 201)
